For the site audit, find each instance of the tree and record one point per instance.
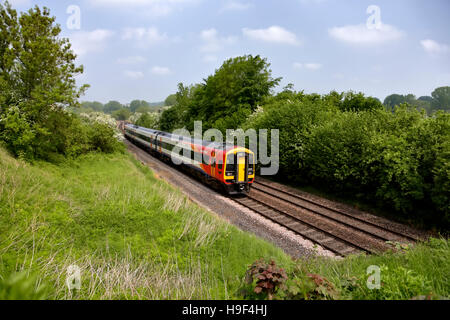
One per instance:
(170, 120)
(441, 98)
(425, 98)
(122, 114)
(170, 100)
(137, 104)
(112, 106)
(95, 105)
(394, 100)
(226, 98)
(148, 120)
(358, 102)
(37, 77)
(178, 116)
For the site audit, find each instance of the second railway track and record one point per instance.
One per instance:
(341, 231)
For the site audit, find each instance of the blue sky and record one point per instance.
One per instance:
(141, 49)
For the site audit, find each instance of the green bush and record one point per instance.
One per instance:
(148, 120)
(102, 139)
(396, 284)
(399, 159)
(64, 135)
(17, 133)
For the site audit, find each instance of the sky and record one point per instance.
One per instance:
(141, 49)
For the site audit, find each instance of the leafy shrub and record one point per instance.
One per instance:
(17, 133)
(265, 279)
(148, 120)
(64, 135)
(398, 159)
(102, 139)
(396, 284)
(309, 287)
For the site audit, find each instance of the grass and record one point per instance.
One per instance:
(132, 235)
(418, 271)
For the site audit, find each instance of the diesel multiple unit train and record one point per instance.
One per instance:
(222, 165)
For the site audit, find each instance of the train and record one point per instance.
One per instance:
(224, 166)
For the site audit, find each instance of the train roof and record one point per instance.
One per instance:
(211, 144)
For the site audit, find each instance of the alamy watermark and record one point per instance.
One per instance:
(257, 142)
(374, 279)
(374, 20)
(74, 20)
(73, 279)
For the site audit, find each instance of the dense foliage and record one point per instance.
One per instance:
(398, 159)
(394, 155)
(148, 120)
(37, 80)
(439, 100)
(225, 99)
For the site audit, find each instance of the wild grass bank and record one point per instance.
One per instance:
(135, 237)
(132, 235)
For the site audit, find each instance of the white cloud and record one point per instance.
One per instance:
(235, 6)
(309, 66)
(274, 34)
(90, 41)
(131, 60)
(161, 71)
(134, 74)
(214, 43)
(152, 7)
(313, 66)
(434, 48)
(362, 35)
(149, 35)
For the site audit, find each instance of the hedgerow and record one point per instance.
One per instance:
(398, 159)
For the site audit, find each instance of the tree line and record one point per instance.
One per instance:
(394, 155)
(439, 100)
(121, 111)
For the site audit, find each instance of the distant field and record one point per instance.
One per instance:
(132, 235)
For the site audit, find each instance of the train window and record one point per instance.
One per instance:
(205, 159)
(220, 164)
(230, 167)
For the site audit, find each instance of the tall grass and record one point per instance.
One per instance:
(419, 271)
(132, 236)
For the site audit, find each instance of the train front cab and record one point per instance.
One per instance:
(239, 170)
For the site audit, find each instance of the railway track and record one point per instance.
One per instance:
(342, 231)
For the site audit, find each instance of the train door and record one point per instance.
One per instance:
(242, 165)
(213, 164)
